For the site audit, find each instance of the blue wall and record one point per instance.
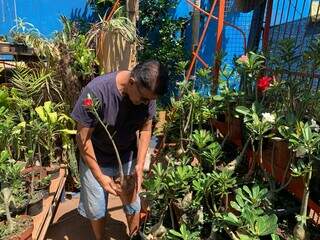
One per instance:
(43, 14)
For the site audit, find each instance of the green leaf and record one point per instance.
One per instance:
(245, 237)
(41, 113)
(275, 237)
(175, 233)
(68, 131)
(47, 106)
(217, 98)
(232, 219)
(243, 110)
(53, 116)
(235, 206)
(266, 225)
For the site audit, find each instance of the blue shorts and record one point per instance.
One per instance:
(94, 199)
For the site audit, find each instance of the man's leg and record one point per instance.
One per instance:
(93, 201)
(98, 227)
(132, 210)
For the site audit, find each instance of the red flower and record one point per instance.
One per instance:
(87, 102)
(264, 83)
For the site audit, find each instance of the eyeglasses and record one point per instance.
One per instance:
(142, 98)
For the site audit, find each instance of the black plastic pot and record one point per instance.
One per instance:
(36, 203)
(35, 208)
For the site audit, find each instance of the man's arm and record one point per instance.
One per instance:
(86, 149)
(144, 140)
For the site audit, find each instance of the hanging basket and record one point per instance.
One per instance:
(247, 5)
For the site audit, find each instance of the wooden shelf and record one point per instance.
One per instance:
(43, 219)
(15, 49)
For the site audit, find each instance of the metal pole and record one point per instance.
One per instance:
(200, 41)
(15, 12)
(256, 27)
(267, 26)
(217, 64)
(195, 28)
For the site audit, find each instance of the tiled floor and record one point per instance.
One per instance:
(69, 225)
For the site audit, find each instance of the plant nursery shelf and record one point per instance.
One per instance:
(50, 204)
(15, 49)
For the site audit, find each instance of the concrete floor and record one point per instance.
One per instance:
(68, 224)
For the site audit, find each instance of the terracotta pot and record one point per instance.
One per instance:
(54, 171)
(39, 173)
(26, 234)
(128, 194)
(127, 191)
(278, 152)
(235, 131)
(281, 154)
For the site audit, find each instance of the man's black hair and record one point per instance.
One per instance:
(152, 75)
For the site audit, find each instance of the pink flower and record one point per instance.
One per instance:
(243, 59)
(264, 83)
(87, 102)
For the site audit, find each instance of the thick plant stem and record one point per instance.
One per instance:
(300, 227)
(114, 147)
(239, 158)
(6, 194)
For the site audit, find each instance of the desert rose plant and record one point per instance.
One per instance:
(305, 142)
(92, 106)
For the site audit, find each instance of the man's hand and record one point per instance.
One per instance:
(108, 184)
(139, 177)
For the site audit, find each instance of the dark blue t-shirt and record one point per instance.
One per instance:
(122, 116)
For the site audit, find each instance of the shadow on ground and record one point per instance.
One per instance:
(72, 226)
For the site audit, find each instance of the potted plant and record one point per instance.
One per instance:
(226, 122)
(252, 219)
(305, 143)
(10, 177)
(55, 124)
(260, 126)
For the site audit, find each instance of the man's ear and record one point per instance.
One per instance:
(131, 81)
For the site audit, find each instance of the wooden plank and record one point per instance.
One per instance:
(43, 219)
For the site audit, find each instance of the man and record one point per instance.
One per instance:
(127, 104)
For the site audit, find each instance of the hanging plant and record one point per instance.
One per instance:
(247, 5)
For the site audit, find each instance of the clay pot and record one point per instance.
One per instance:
(26, 233)
(128, 194)
(53, 170)
(36, 205)
(39, 173)
(127, 191)
(235, 131)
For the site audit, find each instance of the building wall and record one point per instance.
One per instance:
(43, 14)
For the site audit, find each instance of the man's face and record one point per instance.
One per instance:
(138, 94)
